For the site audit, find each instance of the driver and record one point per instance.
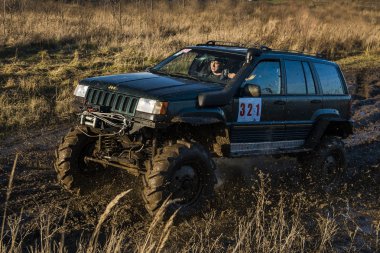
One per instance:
(218, 72)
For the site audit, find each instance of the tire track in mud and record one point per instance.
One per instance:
(36, 190)
(35, 184)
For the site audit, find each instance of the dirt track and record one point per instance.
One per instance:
(35, 189)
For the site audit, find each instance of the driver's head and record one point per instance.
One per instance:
(216, 66)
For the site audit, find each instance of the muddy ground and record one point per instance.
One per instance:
(35, 189)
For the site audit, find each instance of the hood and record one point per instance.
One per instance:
(149, 85)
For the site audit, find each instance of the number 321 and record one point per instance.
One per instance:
(248, 109)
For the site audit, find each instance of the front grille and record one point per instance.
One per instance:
(117, 102)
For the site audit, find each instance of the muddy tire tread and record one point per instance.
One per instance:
(155, 179)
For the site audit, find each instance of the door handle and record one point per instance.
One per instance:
(316, 101)
(279, 102)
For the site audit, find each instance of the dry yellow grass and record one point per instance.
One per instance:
(344, 26)
(266, 227)
(49, 45)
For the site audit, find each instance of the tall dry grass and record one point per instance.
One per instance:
(47, 46)
(339, 26)
(266, 227)
(286, 223)
(8, 194)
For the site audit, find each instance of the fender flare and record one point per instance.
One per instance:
(204, 116)
(322, 125)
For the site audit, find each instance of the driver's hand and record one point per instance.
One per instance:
(231, 75)
(227, 75)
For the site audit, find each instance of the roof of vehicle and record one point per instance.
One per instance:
(235, 50)
(239, 49)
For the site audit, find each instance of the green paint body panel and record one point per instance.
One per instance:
(284, 116)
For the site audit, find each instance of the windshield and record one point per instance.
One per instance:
(201, 65)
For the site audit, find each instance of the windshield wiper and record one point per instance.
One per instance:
(174, 74)
(154, 71)
(184, 76)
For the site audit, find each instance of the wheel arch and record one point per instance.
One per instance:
(213, 136)
(204, 116)
(328, 124)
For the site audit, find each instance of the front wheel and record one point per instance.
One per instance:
(73, 173)
(183, 173)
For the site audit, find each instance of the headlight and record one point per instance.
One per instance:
(80, 90)
(151, 106)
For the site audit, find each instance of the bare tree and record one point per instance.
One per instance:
(117, 13)
(4, 16)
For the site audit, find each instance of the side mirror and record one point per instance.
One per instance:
(251, 90)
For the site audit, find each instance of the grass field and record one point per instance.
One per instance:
(49, 46)
(46, 47)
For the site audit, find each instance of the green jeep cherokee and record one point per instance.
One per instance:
(210, 100)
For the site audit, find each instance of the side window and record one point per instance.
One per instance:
(329, 78)
(309, 79)
(267, 75)
(295, 78)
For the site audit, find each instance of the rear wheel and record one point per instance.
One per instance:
(183, 173)
(327, 164)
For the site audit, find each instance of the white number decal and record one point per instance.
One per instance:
(249, 110)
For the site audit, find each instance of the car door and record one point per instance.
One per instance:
(302, 100)
(258, 124)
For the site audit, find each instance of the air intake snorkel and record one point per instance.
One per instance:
(223, 97)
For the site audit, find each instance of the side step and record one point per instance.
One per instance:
(266, 148)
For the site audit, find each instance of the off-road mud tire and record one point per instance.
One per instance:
(327, 164)
(72, 173)
(159, 179)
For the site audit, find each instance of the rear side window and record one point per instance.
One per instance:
(295, 78)
(329, 78)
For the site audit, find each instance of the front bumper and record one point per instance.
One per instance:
(129, 124)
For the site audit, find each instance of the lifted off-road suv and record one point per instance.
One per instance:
(214, 99)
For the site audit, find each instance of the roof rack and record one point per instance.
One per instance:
(263, 48)
(222, 43)
(318, 54)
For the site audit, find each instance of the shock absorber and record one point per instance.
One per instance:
(109, 144)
